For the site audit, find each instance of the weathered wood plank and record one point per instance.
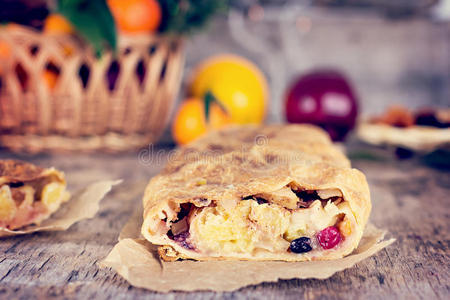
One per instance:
(410, 200)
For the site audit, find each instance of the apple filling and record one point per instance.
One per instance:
(27, 203)
(311, 222)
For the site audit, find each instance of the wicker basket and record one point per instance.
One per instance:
(112, 104)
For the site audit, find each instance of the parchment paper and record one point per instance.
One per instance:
(137, 260)
(82, 205)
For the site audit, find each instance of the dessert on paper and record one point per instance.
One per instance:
(36, 199)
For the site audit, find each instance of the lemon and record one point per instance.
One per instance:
(237, 83)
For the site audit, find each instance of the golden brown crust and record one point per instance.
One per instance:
(228, 165)
(167, 253)
(18, 171)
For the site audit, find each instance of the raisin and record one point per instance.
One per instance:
(301, 245)
(261, 200)
(182, 239)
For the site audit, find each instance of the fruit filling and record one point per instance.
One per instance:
(22, 204)
(319, 220)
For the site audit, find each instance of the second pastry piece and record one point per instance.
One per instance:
(29, 194)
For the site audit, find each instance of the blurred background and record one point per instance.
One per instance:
(379, 53)
(392, 51)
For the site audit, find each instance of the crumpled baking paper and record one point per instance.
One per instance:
(82, 205)
(137, 260)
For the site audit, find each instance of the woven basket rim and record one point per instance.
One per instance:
(123, 39)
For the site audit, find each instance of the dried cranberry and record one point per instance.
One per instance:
(301, 245)
(329, 237)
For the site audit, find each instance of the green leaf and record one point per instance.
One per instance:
(93, 21)
(186, 16)
(210, 99)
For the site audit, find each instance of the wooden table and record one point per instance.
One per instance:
(409, 199)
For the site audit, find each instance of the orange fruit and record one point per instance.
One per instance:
(5, 47)
(5, 50)
(136, 16)
(190, 123)
(236, 83)
(57, 24)
(50, 78)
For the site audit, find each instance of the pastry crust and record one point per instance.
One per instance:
(30, 194)
(226, 167)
